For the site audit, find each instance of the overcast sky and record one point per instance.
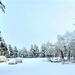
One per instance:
(29, 22)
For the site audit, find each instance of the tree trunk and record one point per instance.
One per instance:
(74, 56)
(62, 55)
(69, 55)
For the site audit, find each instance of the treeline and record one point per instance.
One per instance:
(33, 52)
(64, 47)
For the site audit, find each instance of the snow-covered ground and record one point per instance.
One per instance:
(37, 66)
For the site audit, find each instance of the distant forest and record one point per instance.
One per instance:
(64, 47)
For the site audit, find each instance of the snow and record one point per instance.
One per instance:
(37, 66)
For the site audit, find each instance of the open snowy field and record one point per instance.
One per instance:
(37, 66)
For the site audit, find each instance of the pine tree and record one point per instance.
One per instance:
(24, 52)
(43, 51)
(3, 46)
(34, 51)
(31, 52)
(15, 52)
(11, 52)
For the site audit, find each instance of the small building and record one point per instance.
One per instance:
(2, 59)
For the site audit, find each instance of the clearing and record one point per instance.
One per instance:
(37, 66)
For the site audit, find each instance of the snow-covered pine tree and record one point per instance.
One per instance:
(31, 51)
(11, 52)
(20, 53)
(24, 52)
(3, 46)
(34, 51)
(43, 51)
(15, 52)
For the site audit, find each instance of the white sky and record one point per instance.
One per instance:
(29, 22)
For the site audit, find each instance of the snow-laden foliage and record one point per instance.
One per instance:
(65, 44)
(24, 52)
(64, 47)
(43, 51)
(15, 52)
(34, 51)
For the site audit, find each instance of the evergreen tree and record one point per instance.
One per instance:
(43, 51)
(31, 52)
(34, 51)
(15, 52)
(20, 53)
(10, 51)
(3, 46)
(24, 52)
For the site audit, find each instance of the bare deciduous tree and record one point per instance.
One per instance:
(2, 6)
